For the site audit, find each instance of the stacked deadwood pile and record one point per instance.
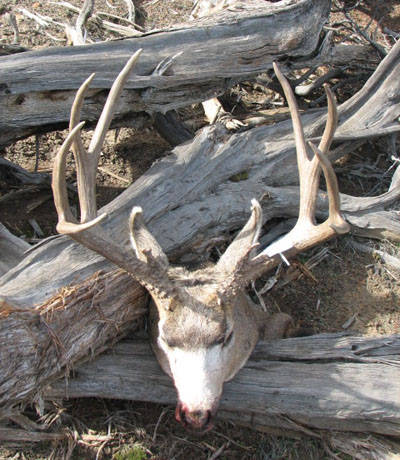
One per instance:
(61, 283)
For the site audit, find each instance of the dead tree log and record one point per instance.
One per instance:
(11, 249)
(252, 38)
(324, 382)
(340, 389)
(100, 308)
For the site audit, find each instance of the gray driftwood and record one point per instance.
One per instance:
(18, 175)
(342, 390)
(98, 309)
(327, 381)
(192, 67)
(12, 250)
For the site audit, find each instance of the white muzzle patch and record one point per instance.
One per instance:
(198, 377)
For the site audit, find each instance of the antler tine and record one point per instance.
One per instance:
(301, 147)
(308, 176)
(75, 116)
(141, 239)
(246, 240)
(331, 122)
(59, 183)
(86, 161)
(335, 219)
(67, 223)
(109, 107)
(86, 177)
(306, 233)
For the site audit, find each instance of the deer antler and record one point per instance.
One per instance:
(147, 262)
(242, 265)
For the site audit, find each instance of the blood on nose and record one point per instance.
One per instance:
(199, 420)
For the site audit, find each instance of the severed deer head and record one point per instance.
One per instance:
(203, 326)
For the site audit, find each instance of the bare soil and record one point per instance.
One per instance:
(348, 290)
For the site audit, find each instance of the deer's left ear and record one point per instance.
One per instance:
(244, 243)
(275, 326)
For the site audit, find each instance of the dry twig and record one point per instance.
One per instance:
(12, 21)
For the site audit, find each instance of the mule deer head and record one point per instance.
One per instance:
(203, 325)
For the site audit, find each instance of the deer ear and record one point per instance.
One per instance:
(143, 241)
(245, 241)
(275, 326)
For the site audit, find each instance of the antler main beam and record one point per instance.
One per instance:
(306, 233)
(86, 160)
(150, 268)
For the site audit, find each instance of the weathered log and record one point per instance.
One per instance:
(171, 128)
(12, 250)
(252, 39)
(13, 173)
(326, 381)
(197, 176)
(38, 344)
(205, 169)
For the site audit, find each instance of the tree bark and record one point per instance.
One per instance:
(40, 344)
(57, 284)
(252, 39)
(326, 381)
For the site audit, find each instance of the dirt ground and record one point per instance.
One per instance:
(348, 290)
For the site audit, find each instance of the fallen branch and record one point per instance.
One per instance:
(387, 259)
(324, 382)
(19, 175)
(42, 22)
(131, 30)
(199, 73)
(12, 250)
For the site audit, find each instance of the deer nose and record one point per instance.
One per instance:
(199, 420)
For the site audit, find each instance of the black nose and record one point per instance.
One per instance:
(198, 420)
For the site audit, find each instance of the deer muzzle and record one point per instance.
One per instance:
(200, 421)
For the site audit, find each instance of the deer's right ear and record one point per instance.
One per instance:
(143, 241)
(244, 243)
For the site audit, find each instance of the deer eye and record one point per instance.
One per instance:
(228, 339)
(170, 343)
(224, 339)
